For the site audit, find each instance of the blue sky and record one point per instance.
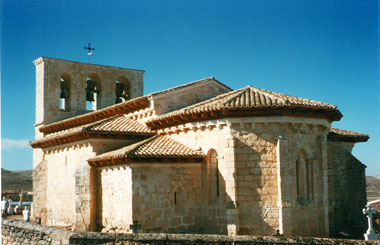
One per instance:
(322, 50)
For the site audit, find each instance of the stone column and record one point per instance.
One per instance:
(232, 209)
(279, 158)
(322, 142)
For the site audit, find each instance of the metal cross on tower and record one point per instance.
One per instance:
(89, 51)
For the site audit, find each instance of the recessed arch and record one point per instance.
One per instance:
(64, 93)
(179, 195)
(93, 87)
(213, 179)
(304, 175)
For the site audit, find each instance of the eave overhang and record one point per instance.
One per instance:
(296, 111)
(150, 159)
(83, 135)
(122, 108)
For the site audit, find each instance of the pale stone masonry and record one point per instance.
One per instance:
(199, 157)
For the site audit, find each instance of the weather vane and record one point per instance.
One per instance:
(89, 51)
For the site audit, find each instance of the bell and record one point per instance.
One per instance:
(90, 90)
(90, 84)
(119, 89)
(118, 100)
(63, 94)
(89, 95)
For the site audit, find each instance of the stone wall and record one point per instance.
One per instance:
(114, 198)
(267, 179)
(64, 174)
(164, 197)
(258, 178)
(348, 193)
(48, 74)
(219, 213)
(167, 196)
(18, 232)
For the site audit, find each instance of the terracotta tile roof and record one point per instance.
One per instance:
(346, 136)
(115, 126)
(253, 100)
(156, 147)
(190, 84)
(117, 109)
(118, 124)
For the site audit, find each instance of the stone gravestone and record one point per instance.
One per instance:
(26, 214)
(376, 223)
(4, 206)
(21, 196)
(370, 234)
(10, 210)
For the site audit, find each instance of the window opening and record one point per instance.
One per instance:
(213, 175)
(304, 176)
(122, 90)
(121, 95)
(91, 94)
(64, 94)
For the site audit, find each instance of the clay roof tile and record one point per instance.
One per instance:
(155, 147)
(249, 98)
(340, 135)
(117, 125)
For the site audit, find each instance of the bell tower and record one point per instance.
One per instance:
(66, 89)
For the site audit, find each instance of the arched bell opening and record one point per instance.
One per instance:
(64, 94)
(92, 92)
(122, 89)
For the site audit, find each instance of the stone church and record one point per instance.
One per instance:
(196, 158)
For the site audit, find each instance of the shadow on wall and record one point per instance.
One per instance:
(256, 189)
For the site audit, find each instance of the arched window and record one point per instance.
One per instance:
(64, 94)
(304, 176)
(92, 92)
(179, 195)
(122, 90)
(213, 175)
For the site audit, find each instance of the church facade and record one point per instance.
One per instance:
(199, 157)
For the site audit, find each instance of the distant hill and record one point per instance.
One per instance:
(16, 180)
(373, 188)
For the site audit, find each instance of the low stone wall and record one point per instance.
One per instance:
(19, 232)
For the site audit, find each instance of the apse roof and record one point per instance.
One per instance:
(249, 101)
